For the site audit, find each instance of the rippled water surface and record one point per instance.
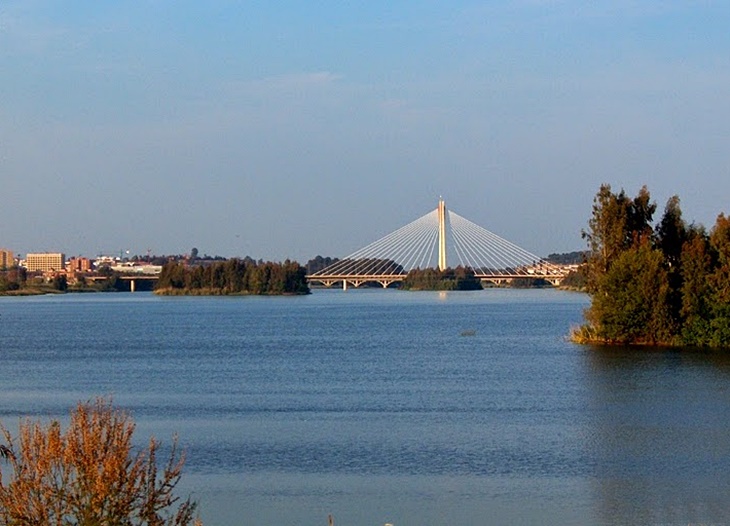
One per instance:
(385, 406)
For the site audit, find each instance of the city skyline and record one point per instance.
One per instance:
(295, 130)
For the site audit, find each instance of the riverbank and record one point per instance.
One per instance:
(207, 291)
(30, 292)
(46, 290)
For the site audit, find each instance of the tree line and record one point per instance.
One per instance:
(13, 279)
(659, 284)
(233, 276)
(16, 281)
(459, 278)
(318, 263)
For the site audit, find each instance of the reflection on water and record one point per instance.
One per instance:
(660, 435)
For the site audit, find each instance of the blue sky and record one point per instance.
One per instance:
(291, 129)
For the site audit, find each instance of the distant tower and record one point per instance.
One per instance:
(442, 234)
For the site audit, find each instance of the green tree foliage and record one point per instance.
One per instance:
(671, 233)
(618, 223)
(720, 283)
(318, 263)
(234, 276)
(696, 266)
(371, 266)
(528, 283)
(112, 283)
(60, 283)
(632, 305)
(12, 279)
(669, 285)
(670, 237)
(567, 258)
(460, 278)
(575, 280)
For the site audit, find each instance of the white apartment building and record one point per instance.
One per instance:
(45, 262)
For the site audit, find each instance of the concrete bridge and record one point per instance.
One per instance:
(131, 278)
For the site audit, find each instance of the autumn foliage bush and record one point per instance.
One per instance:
(89, 475)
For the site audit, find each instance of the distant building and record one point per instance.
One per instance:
(134, 268)
(45, 262)
(6, 259)
(106, 261)
(78, 265)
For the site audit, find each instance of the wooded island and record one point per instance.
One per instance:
(460, 278)
(667, 284)
(233, 276)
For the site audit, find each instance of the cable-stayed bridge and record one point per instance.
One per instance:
(435, 240)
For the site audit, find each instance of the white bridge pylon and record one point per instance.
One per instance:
(426, 243)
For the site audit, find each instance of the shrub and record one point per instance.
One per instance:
(89, 475)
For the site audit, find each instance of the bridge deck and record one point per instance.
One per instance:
(356, 280)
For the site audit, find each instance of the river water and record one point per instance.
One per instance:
(382, 406)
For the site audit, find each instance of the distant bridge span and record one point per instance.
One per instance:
(423, 244)
(131, 278)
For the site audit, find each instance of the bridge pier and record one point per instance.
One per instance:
(441, 214)
(132, 285)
